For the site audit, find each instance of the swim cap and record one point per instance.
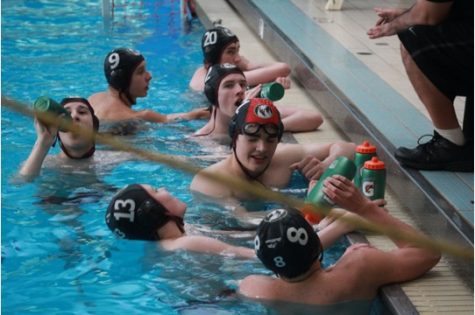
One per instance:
(258, 112)
(119, 66)
(214, 77)
(95, 125)
(134, 214)
(214, 41)
(286, 244)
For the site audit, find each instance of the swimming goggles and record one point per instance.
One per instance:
(252, 129)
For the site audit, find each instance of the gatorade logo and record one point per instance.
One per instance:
(368, 189)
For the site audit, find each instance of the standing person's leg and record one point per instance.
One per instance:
(441, 109)
(437, 66)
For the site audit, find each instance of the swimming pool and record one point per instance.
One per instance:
(57, 254)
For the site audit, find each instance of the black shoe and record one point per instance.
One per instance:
(437, 154)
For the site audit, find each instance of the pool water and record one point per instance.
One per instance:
(58, 256)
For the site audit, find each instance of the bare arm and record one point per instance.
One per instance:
(297, 120)
(268, 73)
(406, 262)
(316, 157)
(152, 116)
(46, 136)
(206, 244)
(199, 113)
(392, 21)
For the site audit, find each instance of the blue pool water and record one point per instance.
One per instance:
(58, 257)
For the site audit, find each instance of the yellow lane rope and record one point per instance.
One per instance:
(253, 189)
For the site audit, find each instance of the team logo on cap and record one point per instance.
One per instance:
(263, 111)
(276, 215)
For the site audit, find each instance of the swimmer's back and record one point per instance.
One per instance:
(107, 107)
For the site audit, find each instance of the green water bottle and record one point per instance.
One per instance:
(272, 91)
(373, 179)
(364, 152)
(340, 166)
(44, 104)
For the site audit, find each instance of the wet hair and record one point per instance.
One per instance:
(119, 65)
(95, 124)
(134, 214)
(257, 111)
(215, 75)
(286, 243)
(213, 43)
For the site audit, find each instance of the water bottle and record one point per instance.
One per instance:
(364, 152)
(272, 91)
(373, 179)
(340, 166)
(44, 104)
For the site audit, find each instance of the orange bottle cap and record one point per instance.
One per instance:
(366, 147)
(310, 215)
(374, 164)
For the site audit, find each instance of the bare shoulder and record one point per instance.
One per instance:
(197, 81)
(205, 185)
(257, 286)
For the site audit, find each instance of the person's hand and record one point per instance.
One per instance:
(344, 193)
(386, 15)
(310, 167)
(254, 92)
(284, 81)
(46, 134)
(200, 113)
(383, 27)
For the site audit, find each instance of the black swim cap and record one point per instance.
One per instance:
(95, 125)
(134, 214)
(214, 77)
(214, 41)
(119, 66)
(286, 243)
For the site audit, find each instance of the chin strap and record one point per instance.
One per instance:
(86, 155)
(246, 171)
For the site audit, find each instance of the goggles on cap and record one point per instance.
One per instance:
(252, 129)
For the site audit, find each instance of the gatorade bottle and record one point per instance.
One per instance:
(44, 104)
(373, 179)
(272, 91)
(340, 166)
(364, 152)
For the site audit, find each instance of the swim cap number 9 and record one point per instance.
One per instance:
(114, 60)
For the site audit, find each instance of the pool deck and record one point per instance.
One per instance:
(361, 88)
